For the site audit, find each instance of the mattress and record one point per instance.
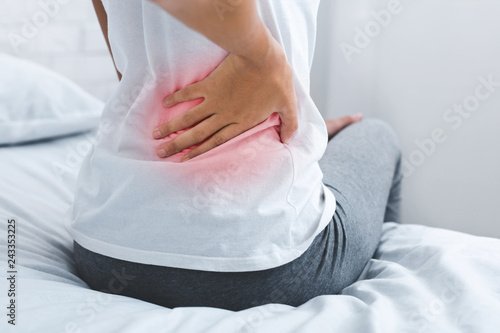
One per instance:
(420, 279)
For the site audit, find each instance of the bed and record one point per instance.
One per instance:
(420, 279)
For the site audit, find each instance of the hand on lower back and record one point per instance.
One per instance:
(334, 126)
(238, 95)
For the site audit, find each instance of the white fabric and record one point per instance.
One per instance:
(250, 204)
(36, 103)
(422, 279)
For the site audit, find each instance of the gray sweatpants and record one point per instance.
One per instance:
(361, 166)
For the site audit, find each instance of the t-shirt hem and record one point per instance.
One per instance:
(217, 264)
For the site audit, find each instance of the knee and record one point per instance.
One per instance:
(379, 127)
(381, 130)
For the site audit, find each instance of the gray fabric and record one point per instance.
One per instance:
(361, 166)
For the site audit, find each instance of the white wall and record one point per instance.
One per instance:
(61, 34)
(429, 57)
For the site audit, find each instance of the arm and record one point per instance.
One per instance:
(103, 22)
(256, 71)
(234, 25)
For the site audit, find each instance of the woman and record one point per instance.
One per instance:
(205, 188)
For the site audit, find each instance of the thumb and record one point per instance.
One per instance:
(289, 124)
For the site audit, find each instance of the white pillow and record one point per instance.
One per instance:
(37, 103)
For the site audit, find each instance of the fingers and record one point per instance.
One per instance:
(187, 139)
(188, 93)
(289, 124)
(223, 135)
(336, 125)
(348, 120)
(183, 121)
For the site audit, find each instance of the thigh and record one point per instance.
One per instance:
(359, 166)
(360, 163)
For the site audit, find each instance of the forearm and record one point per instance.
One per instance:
(234, 25)
(103, 22)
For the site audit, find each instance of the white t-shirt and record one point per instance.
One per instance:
(252, 203)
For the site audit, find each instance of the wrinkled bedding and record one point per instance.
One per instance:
(421, 279)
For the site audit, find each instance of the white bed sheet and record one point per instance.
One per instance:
(421, 279)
